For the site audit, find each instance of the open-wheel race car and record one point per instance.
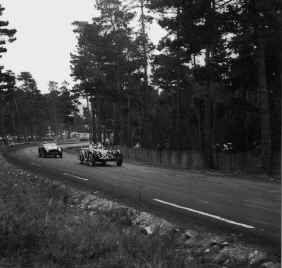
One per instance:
(50, 149)
(98, 153)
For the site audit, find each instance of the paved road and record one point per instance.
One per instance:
(249, 206)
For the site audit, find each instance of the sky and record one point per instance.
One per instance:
(45, 36)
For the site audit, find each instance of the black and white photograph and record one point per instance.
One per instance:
(140, 133)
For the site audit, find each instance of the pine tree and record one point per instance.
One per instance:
(6, 77)
(107, 67)
(258, 31)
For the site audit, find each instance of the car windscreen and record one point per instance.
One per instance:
(50, 144)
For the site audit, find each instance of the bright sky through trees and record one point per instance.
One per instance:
(45, 38)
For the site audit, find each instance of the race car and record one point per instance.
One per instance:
(50, 149)
(98, 153)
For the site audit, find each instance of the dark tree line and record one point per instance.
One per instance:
(216, 76)
(230, 96)
(28, 114)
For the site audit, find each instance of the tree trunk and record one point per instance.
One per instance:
(144, 132)
(208, 152)
(208, 119)
(93, 119)
(90, 122)
(97, 118)
(280, 91)
(264, 109)
(214, 163)
(2, 122)
(129, 144)
(207, 130)
(178, 137)
(115, 124)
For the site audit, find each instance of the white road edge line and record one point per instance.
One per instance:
(74, 176)
(206, 214)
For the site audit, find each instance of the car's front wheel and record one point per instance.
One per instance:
(91, 160)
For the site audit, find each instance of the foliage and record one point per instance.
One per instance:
(6, 77)
(222, 83)
(28, 113)
(6, 34)
(109, 67)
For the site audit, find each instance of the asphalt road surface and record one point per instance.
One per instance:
(248, 206)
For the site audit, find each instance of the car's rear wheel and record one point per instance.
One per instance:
(81, 159)
(119, 162)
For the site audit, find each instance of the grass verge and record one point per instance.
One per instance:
(40, 228)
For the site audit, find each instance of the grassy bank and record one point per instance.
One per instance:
(40, 228)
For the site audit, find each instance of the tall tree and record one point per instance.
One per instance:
(6, 77)
(107, 67)
(259, 30)
(29, 102)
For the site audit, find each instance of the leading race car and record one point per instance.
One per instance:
(50, 149)
(98, 153)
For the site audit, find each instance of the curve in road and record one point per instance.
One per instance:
(226, 202)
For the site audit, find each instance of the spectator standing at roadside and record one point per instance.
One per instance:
(137, 146)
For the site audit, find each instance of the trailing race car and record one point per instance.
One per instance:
(50, 149)
(97, 153)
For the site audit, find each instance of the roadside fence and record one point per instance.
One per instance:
(247, 162)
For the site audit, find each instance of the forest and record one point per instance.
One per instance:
(212, 83)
